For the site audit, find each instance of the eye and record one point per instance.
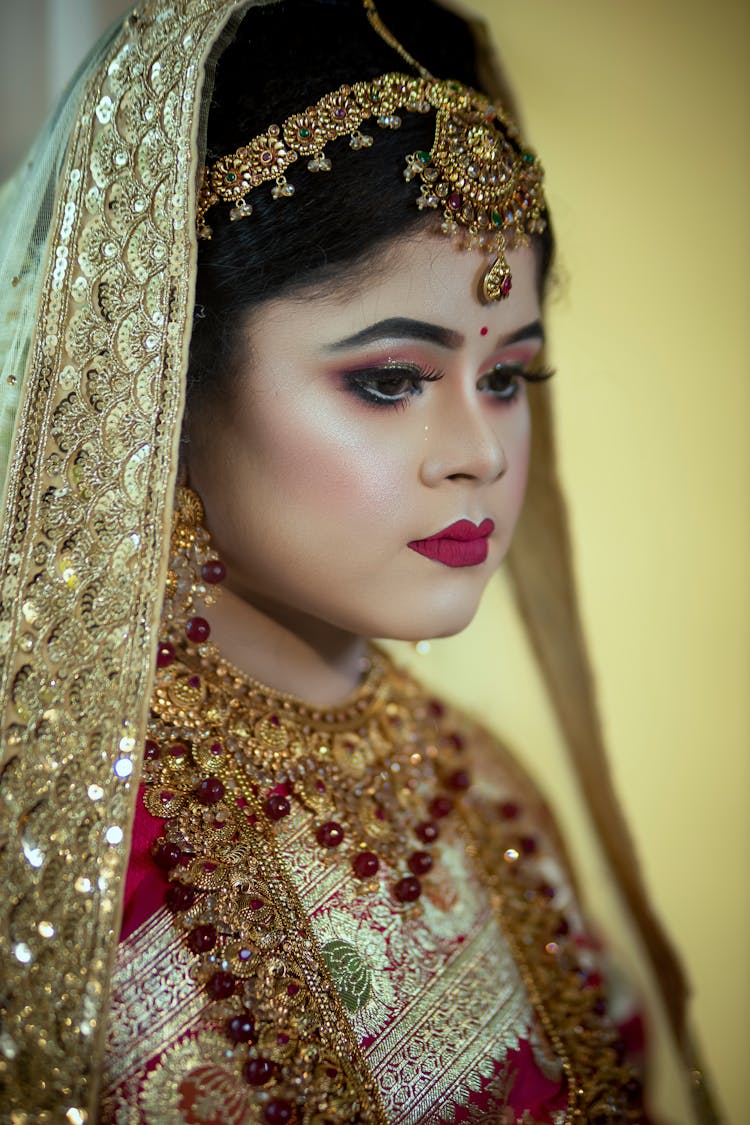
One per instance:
(391, 385)
(505, 379)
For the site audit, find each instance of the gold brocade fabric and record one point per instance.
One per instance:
(367, 1008)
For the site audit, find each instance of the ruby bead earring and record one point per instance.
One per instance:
(193, 579)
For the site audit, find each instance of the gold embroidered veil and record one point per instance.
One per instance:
(96, 302)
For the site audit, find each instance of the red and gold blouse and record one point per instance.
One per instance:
(361, 915)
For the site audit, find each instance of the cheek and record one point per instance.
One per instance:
(322, 464)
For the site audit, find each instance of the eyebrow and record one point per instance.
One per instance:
(403, 328)
(534, 330)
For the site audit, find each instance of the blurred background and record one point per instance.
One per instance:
(640, 114)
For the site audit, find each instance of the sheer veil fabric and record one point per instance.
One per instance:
(86, 520)
(96, 296)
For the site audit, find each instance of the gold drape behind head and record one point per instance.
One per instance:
(85, 528)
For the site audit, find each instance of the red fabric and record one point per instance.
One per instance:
(543, 1099)
(144, 884)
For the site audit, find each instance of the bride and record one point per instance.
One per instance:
(277, 300)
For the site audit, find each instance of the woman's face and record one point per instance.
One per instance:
(365, 422)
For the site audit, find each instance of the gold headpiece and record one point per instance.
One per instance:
(477, 170)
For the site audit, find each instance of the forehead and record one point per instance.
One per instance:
(426, 277)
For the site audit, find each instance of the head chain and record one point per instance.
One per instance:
(477, 171)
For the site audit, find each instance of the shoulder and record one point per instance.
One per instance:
(500, 788)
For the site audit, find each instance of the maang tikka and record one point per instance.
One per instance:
(477, 172)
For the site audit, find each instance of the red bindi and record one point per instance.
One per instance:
(485, 330)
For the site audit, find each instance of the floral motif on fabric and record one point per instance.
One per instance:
(357, 958)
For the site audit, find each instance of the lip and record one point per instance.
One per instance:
(462, 544)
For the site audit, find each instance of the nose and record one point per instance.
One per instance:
(466, 445)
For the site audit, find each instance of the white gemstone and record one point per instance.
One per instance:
(23, 953)
(34, 856)
(104, 110)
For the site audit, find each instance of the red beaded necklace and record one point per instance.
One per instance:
(228, 759)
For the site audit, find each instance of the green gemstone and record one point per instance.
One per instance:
(230, 177)
(497, 218)
(424, 157)
(528, 157)
(304, 132)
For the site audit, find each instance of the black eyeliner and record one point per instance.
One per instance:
(356, 381)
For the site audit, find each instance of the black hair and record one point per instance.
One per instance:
(284, 57)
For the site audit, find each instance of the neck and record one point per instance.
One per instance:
(287, 650)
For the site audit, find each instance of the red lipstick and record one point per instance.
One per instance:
(462, 544)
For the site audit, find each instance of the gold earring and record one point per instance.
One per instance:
(193, 579)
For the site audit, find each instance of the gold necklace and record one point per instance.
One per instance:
(376, 774)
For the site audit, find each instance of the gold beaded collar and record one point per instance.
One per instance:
(373, 772)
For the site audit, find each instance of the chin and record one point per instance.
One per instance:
(431, 622)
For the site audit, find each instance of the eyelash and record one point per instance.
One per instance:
(366, 383)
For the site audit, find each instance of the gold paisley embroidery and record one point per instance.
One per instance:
(80, 550)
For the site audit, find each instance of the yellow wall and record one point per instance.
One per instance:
(640, 113)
